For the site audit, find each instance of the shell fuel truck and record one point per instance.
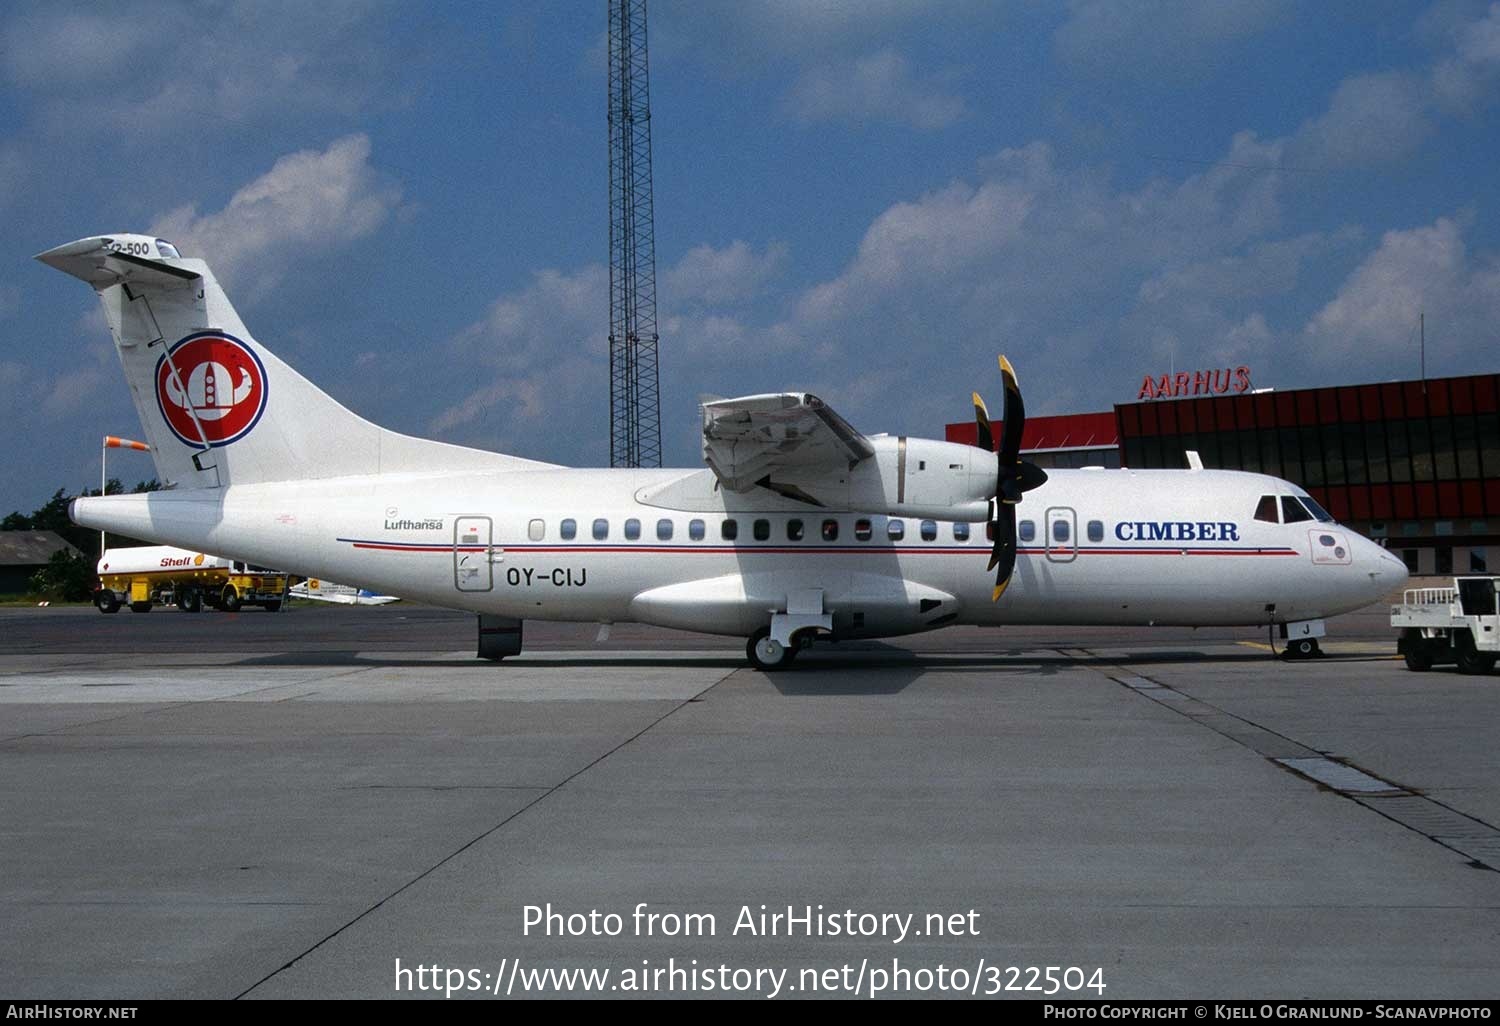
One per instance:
(150, 574)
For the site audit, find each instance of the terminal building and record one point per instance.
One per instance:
(1414, 465)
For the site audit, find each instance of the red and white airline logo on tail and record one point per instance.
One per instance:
(210, 387)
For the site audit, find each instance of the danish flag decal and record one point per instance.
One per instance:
(218, 390)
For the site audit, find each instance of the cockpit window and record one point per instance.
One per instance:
(167, 250)
(1315, 509)
(1292, 511)
(1266, 510)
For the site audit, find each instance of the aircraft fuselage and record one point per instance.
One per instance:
(1096, 547)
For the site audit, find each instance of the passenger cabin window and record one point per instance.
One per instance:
(989, 530)
(536, 530)
(632, 529)
(929, 530)
(1060, 530)
(761, 529)
(729, 530)
(794, 530)
(695, 530)
(1027, 530)
(895, 529)
(961, 532)
(1266, 509)
(1292, 511)
(568, 529)
(664, 530)
(862, 530)
(601, 529)
(1096, 530)
(830, 530)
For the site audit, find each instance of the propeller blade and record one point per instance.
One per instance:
(986, 439)
(1015, 417)
(1013, 475)
(1003, 555)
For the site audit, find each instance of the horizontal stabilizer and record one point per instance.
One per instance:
(105, 260)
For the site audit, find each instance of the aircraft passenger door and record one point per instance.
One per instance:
(472, 542)
(1062, 534)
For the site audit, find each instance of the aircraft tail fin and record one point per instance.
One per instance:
(218, 407)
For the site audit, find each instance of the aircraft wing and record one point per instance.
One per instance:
(748, 439)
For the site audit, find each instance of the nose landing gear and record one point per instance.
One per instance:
(1302, 648)
(1301, 638)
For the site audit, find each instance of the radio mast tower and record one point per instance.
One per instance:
(634, 387)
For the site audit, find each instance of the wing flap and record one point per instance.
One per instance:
(752, 438)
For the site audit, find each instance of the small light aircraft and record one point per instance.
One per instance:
(319, 590)
(799, 527)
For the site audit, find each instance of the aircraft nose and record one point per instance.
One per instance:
(1384, 570)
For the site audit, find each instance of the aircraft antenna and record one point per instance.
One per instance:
(634, 385)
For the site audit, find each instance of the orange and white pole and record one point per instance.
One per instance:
(113, 442)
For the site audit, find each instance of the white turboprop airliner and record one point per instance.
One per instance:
(799, 527)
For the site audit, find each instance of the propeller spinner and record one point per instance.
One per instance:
(1014, 476)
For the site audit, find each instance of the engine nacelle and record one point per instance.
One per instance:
(922, 477)
(909, 477)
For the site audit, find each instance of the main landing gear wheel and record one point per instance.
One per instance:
(765, 653)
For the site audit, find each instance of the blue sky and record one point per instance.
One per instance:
(867, 200)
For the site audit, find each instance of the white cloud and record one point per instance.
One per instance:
(78, 388)
(876, 88)
(731, 274)
(80, 46)
(1165, 37)
(1479, 41)
(1460, 79)
(520, 399)
(1058, 267)
(1372, 119)
(310, 200)
(1382, 117)
(929, 242)
(146, 69)
(1414, 271)
(744, 34)
(553, 305)
(1262, 269)
(1032, 232)
(534, 360)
